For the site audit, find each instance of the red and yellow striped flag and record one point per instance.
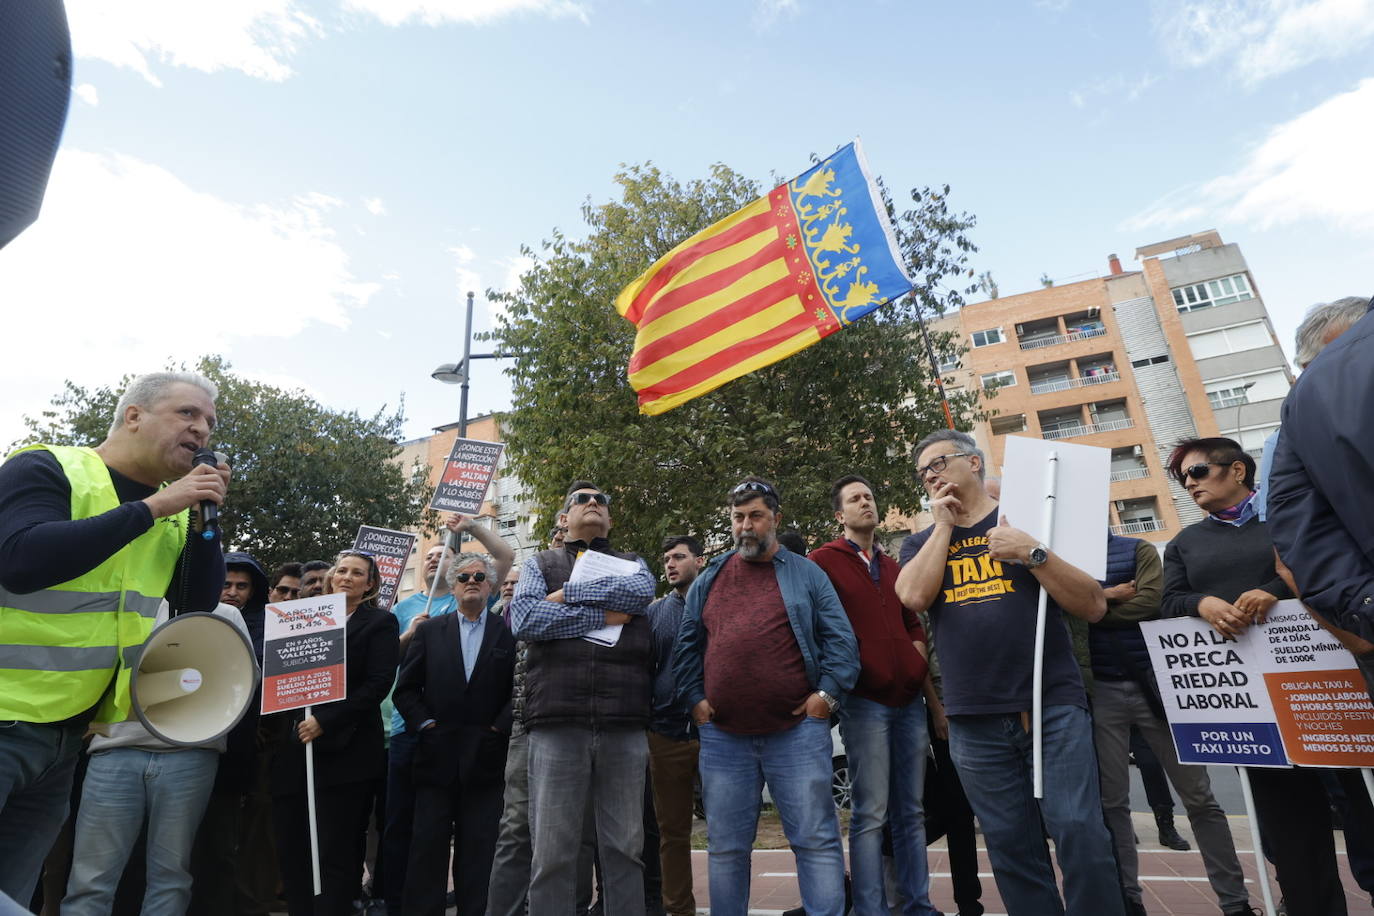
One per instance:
(794, 266)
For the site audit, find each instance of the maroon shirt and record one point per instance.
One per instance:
(755, 675)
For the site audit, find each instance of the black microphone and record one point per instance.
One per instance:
(209, 511)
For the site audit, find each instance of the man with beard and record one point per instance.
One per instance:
(312, 578)
(673, 744)
(764, 654)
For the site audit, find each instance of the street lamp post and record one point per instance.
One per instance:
(461, 373)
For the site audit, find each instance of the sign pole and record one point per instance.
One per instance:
(1255, 841)
(1038, 681)
(438, 571)
(310, 805)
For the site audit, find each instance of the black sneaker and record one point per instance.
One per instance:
(1170, 837)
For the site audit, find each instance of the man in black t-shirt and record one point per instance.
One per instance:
(980, 581)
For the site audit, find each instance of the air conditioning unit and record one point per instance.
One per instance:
(1020, 329)
(1138, 451)
(1120, 505)
(1094, 312)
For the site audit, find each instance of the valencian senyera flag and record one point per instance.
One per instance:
(809, 258)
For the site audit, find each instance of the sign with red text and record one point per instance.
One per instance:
(390, 549)
(303, 653)
(467, 473)
(1283, 692)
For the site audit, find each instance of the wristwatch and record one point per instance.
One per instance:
(829, 700)
(1038, 555)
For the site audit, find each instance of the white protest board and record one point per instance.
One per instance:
(1283, 692)
(1080, 505)
(303, 652)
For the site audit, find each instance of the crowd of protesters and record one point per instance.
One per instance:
(532, 736)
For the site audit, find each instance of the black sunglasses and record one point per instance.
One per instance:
(1198, 471)
(754, 486)
(581, 499)
(475, 577)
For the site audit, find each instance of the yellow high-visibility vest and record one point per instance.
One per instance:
(66, 648)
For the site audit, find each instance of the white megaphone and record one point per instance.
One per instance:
(195, 679)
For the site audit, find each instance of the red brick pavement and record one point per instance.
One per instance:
(1175, 883)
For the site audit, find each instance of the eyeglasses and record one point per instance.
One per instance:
(581, 499)
(1198, 471)
(475, 577)
(755, 486)
(938, 465)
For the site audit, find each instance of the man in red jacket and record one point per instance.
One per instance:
(883, 719)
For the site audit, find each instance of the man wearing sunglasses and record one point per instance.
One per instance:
(585, 706)
(765, 652)
(454, 690)
(980, 580)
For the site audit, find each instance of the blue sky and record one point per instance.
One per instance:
(310, 187)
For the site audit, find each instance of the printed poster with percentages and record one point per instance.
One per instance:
(467, 473)
(303, 653)
(390, 549)
(1285, 692)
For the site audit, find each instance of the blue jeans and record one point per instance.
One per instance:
(886, 747)
(37, 762)
(123, 786)
(573, 768)
(993, 756)
(796, 766)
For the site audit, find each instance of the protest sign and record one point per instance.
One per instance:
(1283, 692)
(467, 473)
(303, 653)
(1080, 499)
(390, 549)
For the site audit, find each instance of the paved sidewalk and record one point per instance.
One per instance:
(1175, 883)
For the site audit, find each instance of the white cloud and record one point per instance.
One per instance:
(256, 37)
(768, 12)
(1314, 167)
(128, 266)
(87, 93)
(374, 206)
(468, 279)
(1262, 38)
(467, 12)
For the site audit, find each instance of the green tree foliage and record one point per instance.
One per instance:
(855, 402)
(304, 476)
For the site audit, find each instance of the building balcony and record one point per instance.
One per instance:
(1087, 429)
(1130, 474)
(1064, 384)
(1141, 527)
(1053, 340)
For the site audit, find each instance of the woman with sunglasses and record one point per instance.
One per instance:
(348, 750)
(1222, 570)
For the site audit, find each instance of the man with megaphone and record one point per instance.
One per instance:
(91, 542)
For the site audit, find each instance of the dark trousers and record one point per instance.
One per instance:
(948, 814)
(673, 766)
(1350, 799)
(342, 817)
(257, 858)
(1152, 776)
(400, 813)
(471, 815)
(214, 858)
(1295, 822)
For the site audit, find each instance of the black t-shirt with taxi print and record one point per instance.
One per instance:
(983, 629)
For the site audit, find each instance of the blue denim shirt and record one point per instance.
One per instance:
(828, 647)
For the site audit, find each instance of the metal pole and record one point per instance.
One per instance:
(934, 367)
(1260, 864)
(467, 370)
(310, 807)
(1038, 679)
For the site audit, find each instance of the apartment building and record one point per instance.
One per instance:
(1131, 361)
(504, 511)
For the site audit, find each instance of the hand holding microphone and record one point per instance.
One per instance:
(204, 486)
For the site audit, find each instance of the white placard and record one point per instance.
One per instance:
(1080, 506)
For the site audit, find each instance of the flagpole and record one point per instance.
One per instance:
(934, 365)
